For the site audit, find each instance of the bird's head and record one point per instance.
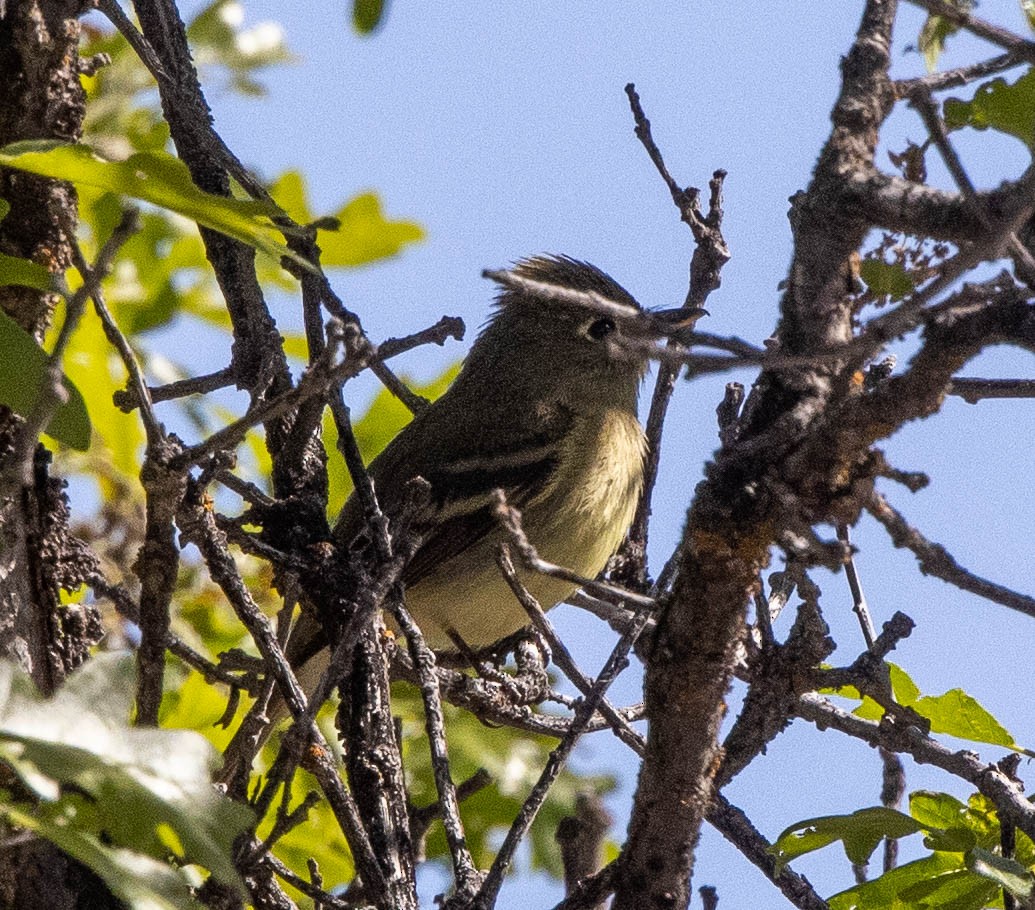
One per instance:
(567, 330)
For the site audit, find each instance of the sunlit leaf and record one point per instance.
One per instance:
(860, 833)
(23, 370)
(902, 888)
(365, 235)
(886, 278)
(999, 105)
(367, 15)
(24, 272)
(157, 178)
(140, 783)
(936, 810)
(959, 714)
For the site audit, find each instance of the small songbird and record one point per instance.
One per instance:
(544, 409)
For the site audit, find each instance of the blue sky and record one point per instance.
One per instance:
(504, 130)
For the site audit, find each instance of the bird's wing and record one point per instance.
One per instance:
(463, 500)
(463, 466)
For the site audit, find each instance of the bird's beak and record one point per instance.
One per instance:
(671, 323)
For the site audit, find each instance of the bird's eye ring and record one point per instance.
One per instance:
(601, 328)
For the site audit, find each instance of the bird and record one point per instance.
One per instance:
(544, 409)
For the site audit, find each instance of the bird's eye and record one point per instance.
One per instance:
(600, 328)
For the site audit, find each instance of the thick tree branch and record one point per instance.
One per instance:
(729, 527)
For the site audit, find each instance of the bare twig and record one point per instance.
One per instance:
(52, 393)
(414, 402)
(921, 101)
(558, 757)
(141, 46)
(859, 605)
(973, 390)
(1019, 47)
(893, 788)
(466, 874)
(510, 519)
(152, 428)
(322, 899)
(323, 375)
(1007, 794)
(737, 828)
(935, 560)
(561, 656)
(198, 525)
(127, 399)
(956, 78)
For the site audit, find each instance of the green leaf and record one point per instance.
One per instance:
(24, 272)
(142, 785)
(367, 15)
(937, 881)
(1006, 873)
(859, 832)
(953, 840)
(1028, 8)
(886, 279)
(365, 235)
(936, 810)
(935, 31)
(157, 178)
(999, 105)
(906, 691)
(960, 890)
(23, 370)
(959, 714)
(143, 883)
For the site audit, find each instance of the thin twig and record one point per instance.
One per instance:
(1007, 795)
(127, 399)
(1022, 49)
(324, 374)
(973, 390)
(198, 525)
(415, 403)
(141, 46)
(510, 520)
(52, 393)
(152, 428)
(561, 655)
(893, 788)
(859, 605)
(922, 102)
(322, 899)
(736, 827)
(465, 873)
(914, 309)
(957, 78)
(617, 661)
(935, 560)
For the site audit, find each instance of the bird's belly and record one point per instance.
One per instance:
(578, 523)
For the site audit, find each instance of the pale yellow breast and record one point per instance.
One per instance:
(579, 521)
